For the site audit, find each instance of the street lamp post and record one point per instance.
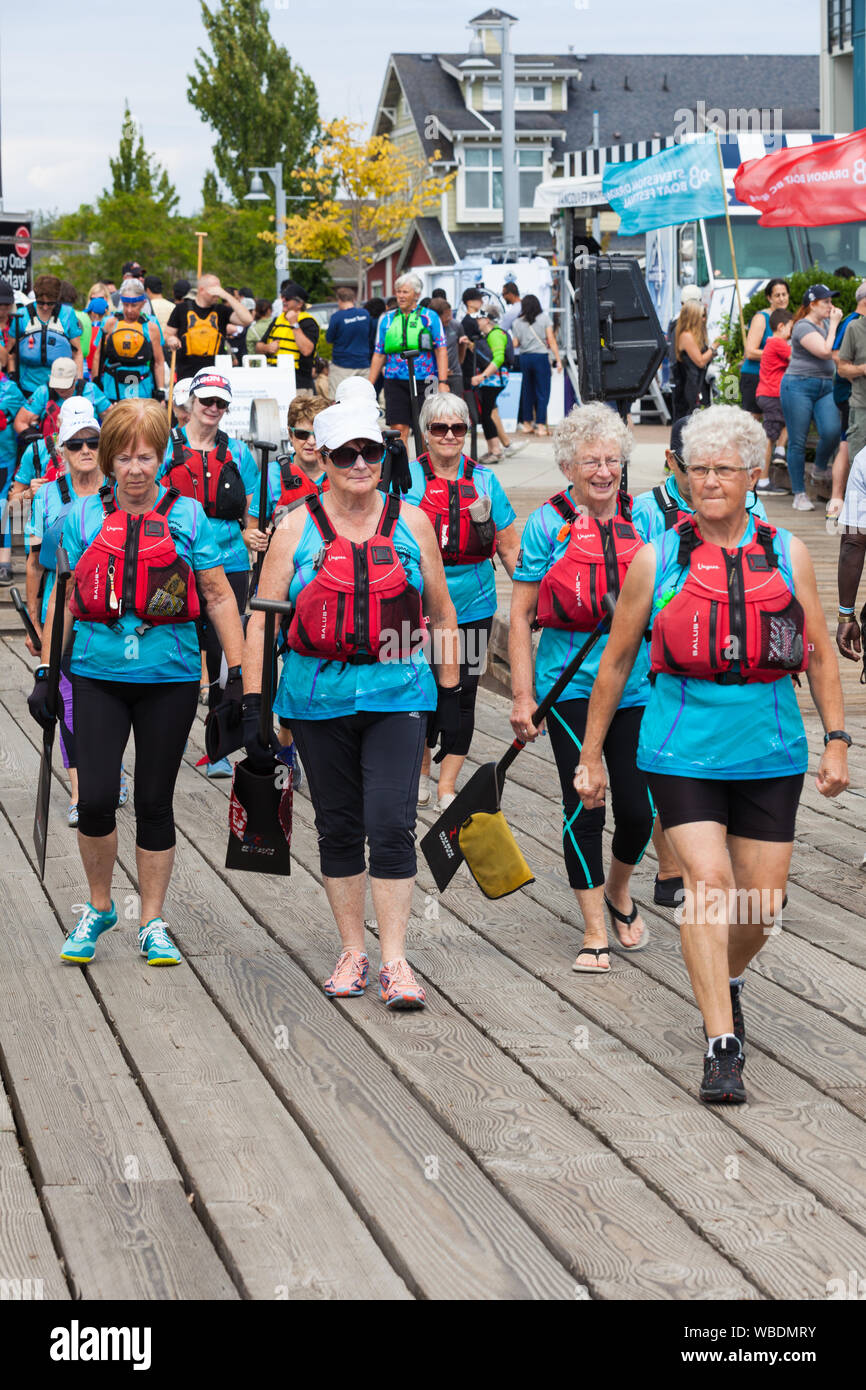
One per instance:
(510, 179)
(257, 194)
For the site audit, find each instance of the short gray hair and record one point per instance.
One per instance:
(442, 405)
(721, 428)
(413, 281)
(584, 425)
(490, 311)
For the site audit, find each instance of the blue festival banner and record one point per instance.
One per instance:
(673, 186)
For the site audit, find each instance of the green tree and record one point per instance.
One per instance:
(260, 105)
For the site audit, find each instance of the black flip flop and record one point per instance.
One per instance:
(626, 919)
(592, 969)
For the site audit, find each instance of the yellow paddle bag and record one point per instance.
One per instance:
(493, 855)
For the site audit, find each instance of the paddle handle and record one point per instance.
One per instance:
(57, 630)
(21, 609)
(272, 608)
(608, 603)
(265, 450)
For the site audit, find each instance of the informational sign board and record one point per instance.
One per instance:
(250, 383)
(16, 252)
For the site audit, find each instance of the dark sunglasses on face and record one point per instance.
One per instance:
(441, 430)
(347, 456)
(302, 434)
(214, 401)
(91, 442)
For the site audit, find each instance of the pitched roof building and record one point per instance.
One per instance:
(447, 107)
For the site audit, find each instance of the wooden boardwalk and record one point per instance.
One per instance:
(224, 1131)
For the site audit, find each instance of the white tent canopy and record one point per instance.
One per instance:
(568, 193)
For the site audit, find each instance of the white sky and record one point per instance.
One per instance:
(66, 68)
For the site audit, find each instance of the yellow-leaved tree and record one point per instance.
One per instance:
(366, 193)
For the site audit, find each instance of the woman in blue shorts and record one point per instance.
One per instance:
(735, 614)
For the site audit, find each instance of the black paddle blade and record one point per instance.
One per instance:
(260, 820)
(43, 799)
(440, 845)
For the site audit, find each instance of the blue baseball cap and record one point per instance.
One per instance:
(818, 292)
(97, 306)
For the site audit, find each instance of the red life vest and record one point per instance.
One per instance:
(594, 564)
(447, 504)
(132, 566)
(735, 619)
(212, 478)
(296, 484)
(51, 413)
(95, 340)
(359, 599)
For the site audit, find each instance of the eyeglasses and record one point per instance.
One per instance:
(725, 474)
(593, 465)
(213, 402)
(44, 303)
(91, 442)
(347, 455)
(302, 434)
(440, 430)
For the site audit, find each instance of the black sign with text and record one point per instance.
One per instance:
(16, 252)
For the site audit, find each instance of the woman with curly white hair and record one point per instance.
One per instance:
(735, 614)
(576, 548)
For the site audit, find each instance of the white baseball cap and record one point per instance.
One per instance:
(340, 423)
(180, 394)
(63, 373)
(356, 389)
(691, 295)
(76, 414)
(210, 383)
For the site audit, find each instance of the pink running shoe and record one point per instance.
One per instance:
(350, 975)
(398, 987)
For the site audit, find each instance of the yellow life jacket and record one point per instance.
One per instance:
(202, 336)
(280, 331)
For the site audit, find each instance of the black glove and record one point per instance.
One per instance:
(37, 698)
(158, 394)
(233, 695)
(444, 723)
(260, 756)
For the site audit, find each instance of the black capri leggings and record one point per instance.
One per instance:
(633, 810)
(240, 583)
(160, 716)
(363, 772)
(486, 397)
(473, 653)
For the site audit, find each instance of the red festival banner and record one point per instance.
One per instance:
(807, 185)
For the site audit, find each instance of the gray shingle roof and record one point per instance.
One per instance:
(636, 95)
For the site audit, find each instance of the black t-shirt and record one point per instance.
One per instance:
(304, 365)
(202, 329)
(470, 328)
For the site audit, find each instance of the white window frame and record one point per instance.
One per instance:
(473, 215)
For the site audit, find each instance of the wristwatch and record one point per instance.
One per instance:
(838, 733)
(234, 673)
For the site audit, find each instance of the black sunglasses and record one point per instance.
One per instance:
(302, 434)
(214, 401)
(440, 430)
(347, 455)
(91, 442)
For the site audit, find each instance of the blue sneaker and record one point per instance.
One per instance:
(123, 793)
(81, 942)
(221, 769)
(155, 943)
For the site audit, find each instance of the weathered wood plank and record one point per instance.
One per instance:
(136, 1240)
(26, 1249)
(251, 1168)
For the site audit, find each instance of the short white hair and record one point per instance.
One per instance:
(721, 429)
(442, 405)
(588, 424)
(414, 282)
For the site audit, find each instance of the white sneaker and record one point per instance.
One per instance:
(423, 791)
(801, 503)
(444, 802)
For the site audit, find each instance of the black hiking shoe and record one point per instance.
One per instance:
(723, 1074)
(667, 892)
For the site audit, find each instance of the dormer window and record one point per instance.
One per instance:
(527, 96)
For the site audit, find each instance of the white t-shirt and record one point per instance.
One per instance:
(853, 514)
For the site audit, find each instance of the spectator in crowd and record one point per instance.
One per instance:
(511, 295)
(264, 315)
(349, 335)
(756, 340)
(851, 366)
(294, 332)
(160, 307)
(775, 358)
(197, 327)
(533, 336)
(456, 344)
(180, 290)
(807, 389)
(692, 356)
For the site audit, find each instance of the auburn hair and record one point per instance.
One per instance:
(306, 408)
(129, 423)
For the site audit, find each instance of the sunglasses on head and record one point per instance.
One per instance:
(90, 442)
(440, 429)
(347, 455)
(214, 401)
(302, 434)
